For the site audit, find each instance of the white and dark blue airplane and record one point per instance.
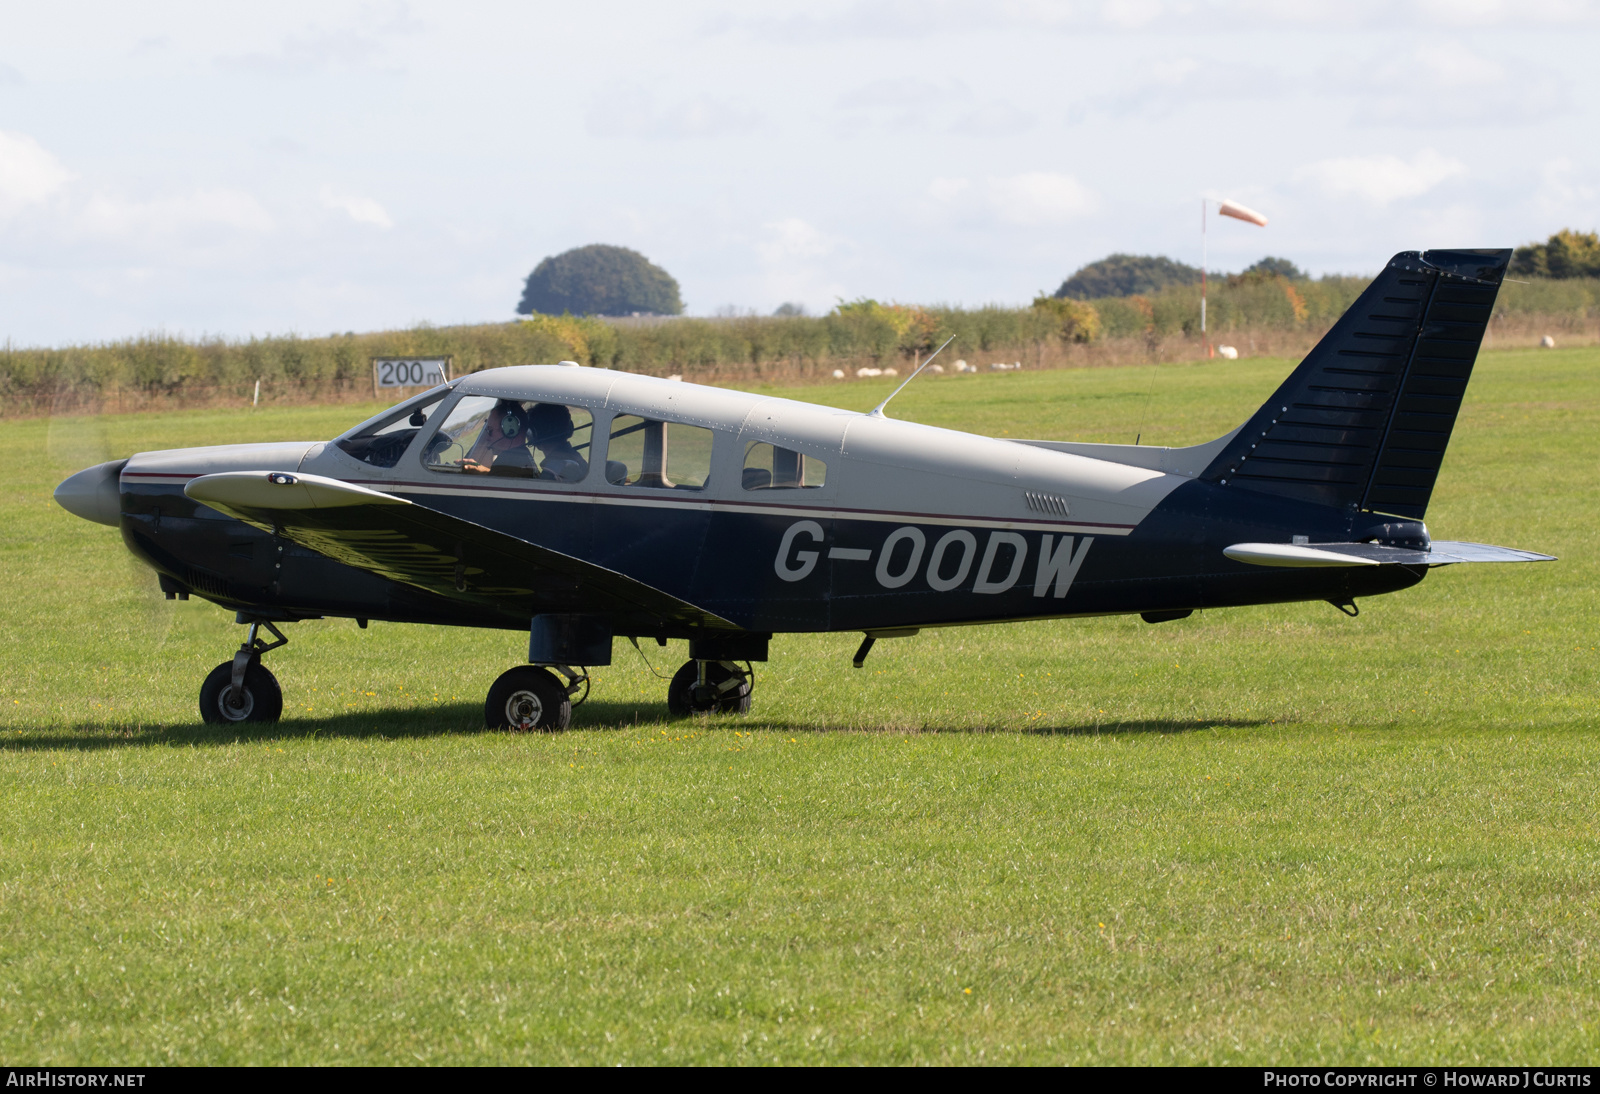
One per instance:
(584, 504)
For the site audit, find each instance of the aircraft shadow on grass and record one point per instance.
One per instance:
(466, 719)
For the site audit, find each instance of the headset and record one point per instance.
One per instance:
(511, 421)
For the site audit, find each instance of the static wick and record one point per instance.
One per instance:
(877, 411)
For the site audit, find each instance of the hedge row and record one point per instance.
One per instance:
(865, 330)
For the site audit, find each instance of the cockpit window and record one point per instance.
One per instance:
(768, 467)
(663, 455)
(525, 439)
(383, 440)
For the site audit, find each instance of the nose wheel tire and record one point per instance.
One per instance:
(261, 699)
(528, 698)
(726, 690)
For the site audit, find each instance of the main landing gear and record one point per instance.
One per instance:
(531, 697)
(709, 687)
(242, 690)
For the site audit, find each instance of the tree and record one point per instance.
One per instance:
(1270, 267)
(1565, 254)
(1126, 275)
(600, 280)
(1074, 321)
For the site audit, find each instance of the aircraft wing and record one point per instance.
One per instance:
(1316, 555)
(430, 550)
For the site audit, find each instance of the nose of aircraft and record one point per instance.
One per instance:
(94, 493)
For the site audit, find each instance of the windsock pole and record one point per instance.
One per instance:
(1226, 209)
(1203, 277)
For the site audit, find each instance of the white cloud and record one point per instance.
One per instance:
(1040, 198)
(1130, 14)
(1448, 83)
(359, 209)
(801, 263)
(1381, 180)
(995, 119)
(790, 239)
(318, 49)
(28, 174)
(634, 112)
(866, 20)
(197, 214)
(1562, 193)
(1033, 199)
(915, 102)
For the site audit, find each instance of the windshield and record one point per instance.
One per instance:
(381, 441)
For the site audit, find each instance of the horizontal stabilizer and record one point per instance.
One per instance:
(454, 558)
(1441, 553)
(1293, 556)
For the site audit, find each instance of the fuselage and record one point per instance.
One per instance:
(911, 526)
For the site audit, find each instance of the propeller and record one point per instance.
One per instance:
(74, 441)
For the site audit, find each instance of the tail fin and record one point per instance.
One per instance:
(1364, 421)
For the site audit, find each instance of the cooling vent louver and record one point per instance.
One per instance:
(1046, 503)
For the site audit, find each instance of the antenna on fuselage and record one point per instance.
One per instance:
(877, 411)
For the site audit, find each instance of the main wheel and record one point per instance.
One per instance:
(527, 698)
(726, 690)
(262, 700)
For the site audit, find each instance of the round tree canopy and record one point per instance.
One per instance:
(1125, 275)
(600, 280)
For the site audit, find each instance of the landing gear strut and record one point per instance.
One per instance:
(706, 687)
(242, 690)
(531, 697)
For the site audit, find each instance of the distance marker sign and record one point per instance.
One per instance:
(391, 372)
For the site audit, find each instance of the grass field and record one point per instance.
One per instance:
(1263, 835)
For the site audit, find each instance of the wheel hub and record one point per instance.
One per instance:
(236, 704)
(523, 710)
(703, 697)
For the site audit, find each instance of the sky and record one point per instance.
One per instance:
(235, 170)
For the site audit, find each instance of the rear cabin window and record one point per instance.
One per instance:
(769, 467)
(521, 439)
(383, 443)
(661, 455)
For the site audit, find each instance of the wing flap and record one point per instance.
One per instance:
(414, 545)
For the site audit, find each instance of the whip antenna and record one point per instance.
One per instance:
(877, 411)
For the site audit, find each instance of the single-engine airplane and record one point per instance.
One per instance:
(585, 504)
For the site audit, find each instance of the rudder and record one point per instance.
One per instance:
(1364, 421)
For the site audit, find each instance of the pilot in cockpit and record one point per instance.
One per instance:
(550, 430)
(502, 447)
(511, 430)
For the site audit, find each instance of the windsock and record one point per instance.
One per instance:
(1239, 212)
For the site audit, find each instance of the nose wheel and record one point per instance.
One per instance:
(709, 687)
(242, 690)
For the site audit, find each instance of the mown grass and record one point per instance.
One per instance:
(1270, 834)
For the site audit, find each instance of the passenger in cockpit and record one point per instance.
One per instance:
(550, 430)
(502, 447)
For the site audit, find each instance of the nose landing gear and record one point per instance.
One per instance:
(706, 687)
(242, 690)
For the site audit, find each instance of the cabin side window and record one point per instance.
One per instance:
(662, 455)
(523, 439)
(770, 467)
(386, 440)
